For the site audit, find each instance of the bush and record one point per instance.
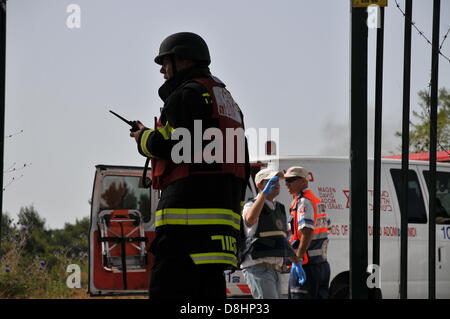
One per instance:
(34, 260)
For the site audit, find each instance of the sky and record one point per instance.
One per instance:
(285, 62)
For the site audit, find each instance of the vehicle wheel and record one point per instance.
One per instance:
(375, 293)
(340, 290)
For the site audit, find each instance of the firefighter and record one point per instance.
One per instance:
(265, 228)
(310, 276)
(198, 215)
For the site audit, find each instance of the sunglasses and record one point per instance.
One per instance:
(291, 179)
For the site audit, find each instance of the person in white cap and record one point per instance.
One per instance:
(310, 276)
(266, 244)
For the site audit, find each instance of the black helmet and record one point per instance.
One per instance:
(185, 45)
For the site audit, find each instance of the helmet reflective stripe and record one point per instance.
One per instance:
(214, 258)
(197, 216)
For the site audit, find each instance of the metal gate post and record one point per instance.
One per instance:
(405, 152)
(377, 144)
(433, 146)
(2, 99)
(358, 154)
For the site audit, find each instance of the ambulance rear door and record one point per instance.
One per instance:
(121, 231)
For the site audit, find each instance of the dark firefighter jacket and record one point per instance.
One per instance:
(205, 197)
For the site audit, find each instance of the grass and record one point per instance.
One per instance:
(38, 277)
(35, 277)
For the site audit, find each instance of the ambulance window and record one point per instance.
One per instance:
(442, 196)
(123, 192)
(416, 206)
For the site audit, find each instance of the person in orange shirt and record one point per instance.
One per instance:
(309, 226)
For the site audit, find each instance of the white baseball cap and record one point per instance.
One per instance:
(267, 173)
(296, 171)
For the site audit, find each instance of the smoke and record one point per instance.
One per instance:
(335, 139)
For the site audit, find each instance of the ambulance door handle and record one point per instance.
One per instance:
(440, 257)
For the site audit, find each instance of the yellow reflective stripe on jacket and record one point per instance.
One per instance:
(207, 97)
(214, 258)
(197, 216)
(143, 145)
(166, 131)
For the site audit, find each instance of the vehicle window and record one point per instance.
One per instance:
(442, 196)
(123, 192)
(416, 206)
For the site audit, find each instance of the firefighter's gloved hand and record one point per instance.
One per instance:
(138, 130)
(298, 273)
(271, 185)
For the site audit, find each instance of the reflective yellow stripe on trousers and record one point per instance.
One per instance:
(214, 258)
(197, 216)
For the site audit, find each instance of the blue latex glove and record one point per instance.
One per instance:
(298, 273)
(271, 185)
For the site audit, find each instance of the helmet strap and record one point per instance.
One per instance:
(174, 65)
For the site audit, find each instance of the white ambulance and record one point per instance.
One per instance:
(122, 226)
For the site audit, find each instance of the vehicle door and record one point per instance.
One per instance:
(121, 231)
(442, 219)
(417, 229)
(389, 230)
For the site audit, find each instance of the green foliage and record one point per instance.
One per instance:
(74, 238)
(34, 259)
(419, 135)
(7, 227)
(30, 218)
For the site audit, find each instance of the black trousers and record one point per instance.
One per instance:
(316, 284)
(178, 278)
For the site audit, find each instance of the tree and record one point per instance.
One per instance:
(419, 135)
(34, 225)
(7, 225)
(49, 245)
(7, 230)
(73, 237)
(29, 217)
